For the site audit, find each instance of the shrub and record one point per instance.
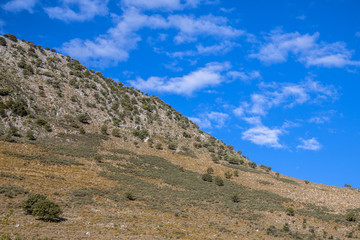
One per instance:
(347, 185)
(306, 182)
(210, 170)
(82, 130)
(290, 212)
(158, 146)
(228, 175)
(83, 118)
(235, 198)
(142, 134)
(4, 92)
(47, 127)
(130, 196)
(116, 133)
(46, 210)
(29, 203)
(252, 165)
(2, 41)
(104, 129)
(219, 181)
(236, 173)
(207, 177)
(351, 217)
(172, 146)
(11, 191)
(12, 37)
(30, 135)
(40, 122)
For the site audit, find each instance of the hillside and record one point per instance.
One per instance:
(125, 165)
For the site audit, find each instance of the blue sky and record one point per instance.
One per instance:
(278, 80)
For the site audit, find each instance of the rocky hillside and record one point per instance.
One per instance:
(120, 164)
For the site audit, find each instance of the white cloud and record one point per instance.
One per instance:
(20, 5)
(319, 119)
(216, 49)
(115, 45)
(309, 144)
(211, 119)
(285, 95)
(306, 50)
(190, 28)
(210, 75)
(87, 9)
(160, 4)
(262, 135)
(202, 122)
(244, 76)
(301, 17)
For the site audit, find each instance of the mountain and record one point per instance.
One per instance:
(121, 164)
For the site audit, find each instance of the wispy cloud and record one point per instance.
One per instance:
(86, 10)
(244, 76)
(210, 75)
(2, 24)
(309, 144)
(285, 95)
(211, 119)
(201, 50)
(305, 48)
(166, 5)
(20, 5)
(262, 135)
(117, 42)
(301, 17)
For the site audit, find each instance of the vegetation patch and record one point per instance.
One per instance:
(11, 191)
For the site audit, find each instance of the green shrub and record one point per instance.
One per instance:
(83, 118)
(30, 135)
(38, 205)
(347, 185)
(11, 191)
(207, 177)
(130, 196)
(104, 129)
(172, 146)
(236, 173)
(47, 127)
(40, 122)
(27, 205)
(351, 217)
(2, 41)
(82, 130)
(235, 198)
(219, 181)
(228, 175)
(142, 134)
(46, 210)
(158, 146)
(290, 212)
(4, 92)
(252, 165)
(306, 182)
(116, 133)
(210, 170)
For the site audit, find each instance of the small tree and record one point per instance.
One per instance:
(30, 135)
(290, 212)
(351, 217)
(46, 210)
(210, 170)
(116, 133)
(28, 204)
(235, 198)
(228, 175)
(104, 129)
(2, 41)
(207, 177)
(219, 181)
